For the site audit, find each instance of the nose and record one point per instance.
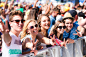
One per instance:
(69, 24)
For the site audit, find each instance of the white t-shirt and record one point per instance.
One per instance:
(15, 48)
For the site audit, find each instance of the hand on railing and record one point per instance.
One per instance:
(78, 33)
(70, 40)
(52, 40)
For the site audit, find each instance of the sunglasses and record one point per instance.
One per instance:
(60, 27)
(17, 21)
(36, 25)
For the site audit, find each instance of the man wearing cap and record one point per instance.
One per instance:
(72, 30)
(74, 14)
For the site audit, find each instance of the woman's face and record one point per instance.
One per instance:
(45, 22)
(33, 28)
(69, 24)
(61, 28)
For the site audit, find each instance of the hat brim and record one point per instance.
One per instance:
(68, 18)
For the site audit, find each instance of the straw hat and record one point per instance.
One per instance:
(67, 16)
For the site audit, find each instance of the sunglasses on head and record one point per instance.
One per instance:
(36, 25)
(60, 27)
(17, 21)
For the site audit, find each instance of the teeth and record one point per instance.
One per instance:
(34, 31)
(47, 25)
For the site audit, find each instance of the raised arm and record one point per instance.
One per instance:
(9, 7)
(5, 32)
(48, 9)
(35, 3)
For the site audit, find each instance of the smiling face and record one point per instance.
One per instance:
(45, 22)
(32, 28)
(61, 28)
(69, 24)
(16, 23)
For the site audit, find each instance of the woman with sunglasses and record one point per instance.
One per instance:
(30, 35)
(58, 30)
(44, 24)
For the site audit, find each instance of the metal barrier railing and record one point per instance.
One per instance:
(72, 50)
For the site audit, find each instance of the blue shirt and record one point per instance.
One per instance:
(70, 34)
(52, 22)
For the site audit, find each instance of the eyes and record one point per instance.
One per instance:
(46, 20)
(17, 21)
(36, 25)
(60, 27)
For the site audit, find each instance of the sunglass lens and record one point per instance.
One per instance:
(60, 27)
(22, 21)
(31, 27)
(36, 25)
(64, 27)
(17, 21)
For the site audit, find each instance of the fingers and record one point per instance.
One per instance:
(64, 39)
(67, 41)
(36, 41)
(6, 24)
(75, 33)
(1, 25)
(52, 37)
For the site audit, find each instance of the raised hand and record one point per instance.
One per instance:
(78, 33)
(4, 28)
(52, 40)
(34, 44)
(64, 43)
(34, 47)
(70, 40)
(5, 32)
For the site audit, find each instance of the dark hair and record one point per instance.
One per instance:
(32, 14)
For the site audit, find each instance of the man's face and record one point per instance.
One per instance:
(69, 24)
(17, 23)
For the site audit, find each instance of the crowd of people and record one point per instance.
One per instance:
(27, 28)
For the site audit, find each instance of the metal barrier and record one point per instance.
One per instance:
(72, 50)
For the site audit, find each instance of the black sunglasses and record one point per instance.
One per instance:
(36, 25)
(60, 27)
(17, 21)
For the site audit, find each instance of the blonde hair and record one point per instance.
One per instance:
(24, 33)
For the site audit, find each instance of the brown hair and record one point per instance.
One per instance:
(54, 31)
(18, 12)
(39, 21)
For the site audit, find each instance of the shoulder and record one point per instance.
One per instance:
(26, 37)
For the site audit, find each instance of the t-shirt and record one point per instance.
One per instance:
(70, 34)
(15, 48)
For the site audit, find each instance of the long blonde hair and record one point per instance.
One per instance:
(24, 31)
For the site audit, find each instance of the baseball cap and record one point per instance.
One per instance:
(73, 12)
